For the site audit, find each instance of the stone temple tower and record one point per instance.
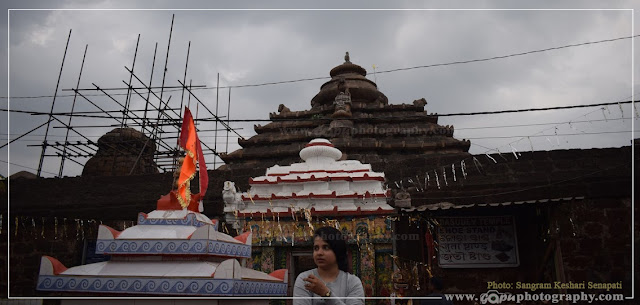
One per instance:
(358, 119)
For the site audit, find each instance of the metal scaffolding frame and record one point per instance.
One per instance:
(159, 120)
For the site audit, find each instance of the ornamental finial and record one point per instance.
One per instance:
(346, 57)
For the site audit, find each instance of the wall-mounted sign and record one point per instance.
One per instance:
(477, 242)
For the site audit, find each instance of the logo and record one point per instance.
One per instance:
(495, 297)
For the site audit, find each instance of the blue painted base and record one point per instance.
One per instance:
(150, 286)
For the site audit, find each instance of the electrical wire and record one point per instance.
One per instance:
(457, 129)
(535, 187)
(356, 119)
(377, 72)
(553, 135)
(26, 167)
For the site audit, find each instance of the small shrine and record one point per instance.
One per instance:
(174, 250)
(282, 208)
(322, 184)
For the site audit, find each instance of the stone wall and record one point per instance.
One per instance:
(593, 233)
(55, 216)
(601, 220)
(597, 247)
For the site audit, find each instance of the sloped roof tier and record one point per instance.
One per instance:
(398, 120)
(373, 146)
(225, 278)
(346, 166)
(351, 76)
(315, 114)
(171, 256)
(290, 178)
(372, 129)
(175, 217)
(316, 211)
(171, 240)
(325, 194)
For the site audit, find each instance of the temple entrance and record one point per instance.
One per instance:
(301, 260)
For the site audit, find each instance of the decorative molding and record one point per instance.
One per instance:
(189, 220)
(168, 286)
(172, 246)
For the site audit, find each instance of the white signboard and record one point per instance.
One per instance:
(477, 242)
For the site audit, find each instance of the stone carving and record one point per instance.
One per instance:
(420, 103)
(403, 199)
(400, 279)
(342, 105)
(283, 109)
(346, 57)
(230, 194)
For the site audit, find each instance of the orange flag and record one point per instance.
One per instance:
(191, 144)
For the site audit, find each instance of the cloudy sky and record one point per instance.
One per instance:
(248, 47)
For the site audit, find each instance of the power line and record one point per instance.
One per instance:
(26, 167)
(534, 109)
(457, 129)
(540, 124)
(377, 72)
(553, 135)
(507, 56)
(537, 186)
(477, 138)
(356, 119)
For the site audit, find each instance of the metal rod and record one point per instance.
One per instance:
(186, 65)
(139, 155)
(44, 144)
(215, 144)
(154, 130)
(137, 117)
(73, 105)
(76, 113)
(146, 105)
(218, 119)
(26, 133)
(166, 106)
(74, 161)
(189, 100)
(215, 116)
(55, 94)
(128, 99)
(184, 79)
(166, 60)
(126, 88)
(94, 104)
(163, 110)
(164, 74)
(226, 149)
(64, 147)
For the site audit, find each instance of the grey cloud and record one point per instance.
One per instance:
(249, 47)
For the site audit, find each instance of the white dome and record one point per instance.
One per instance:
(320, 149)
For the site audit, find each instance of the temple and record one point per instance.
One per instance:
(357, 118)
(174, 250)
(322, 184)
(408, 196)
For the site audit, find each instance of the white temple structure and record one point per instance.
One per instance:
(170, 253)
(323, 184)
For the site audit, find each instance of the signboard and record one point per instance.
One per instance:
(477, 242)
